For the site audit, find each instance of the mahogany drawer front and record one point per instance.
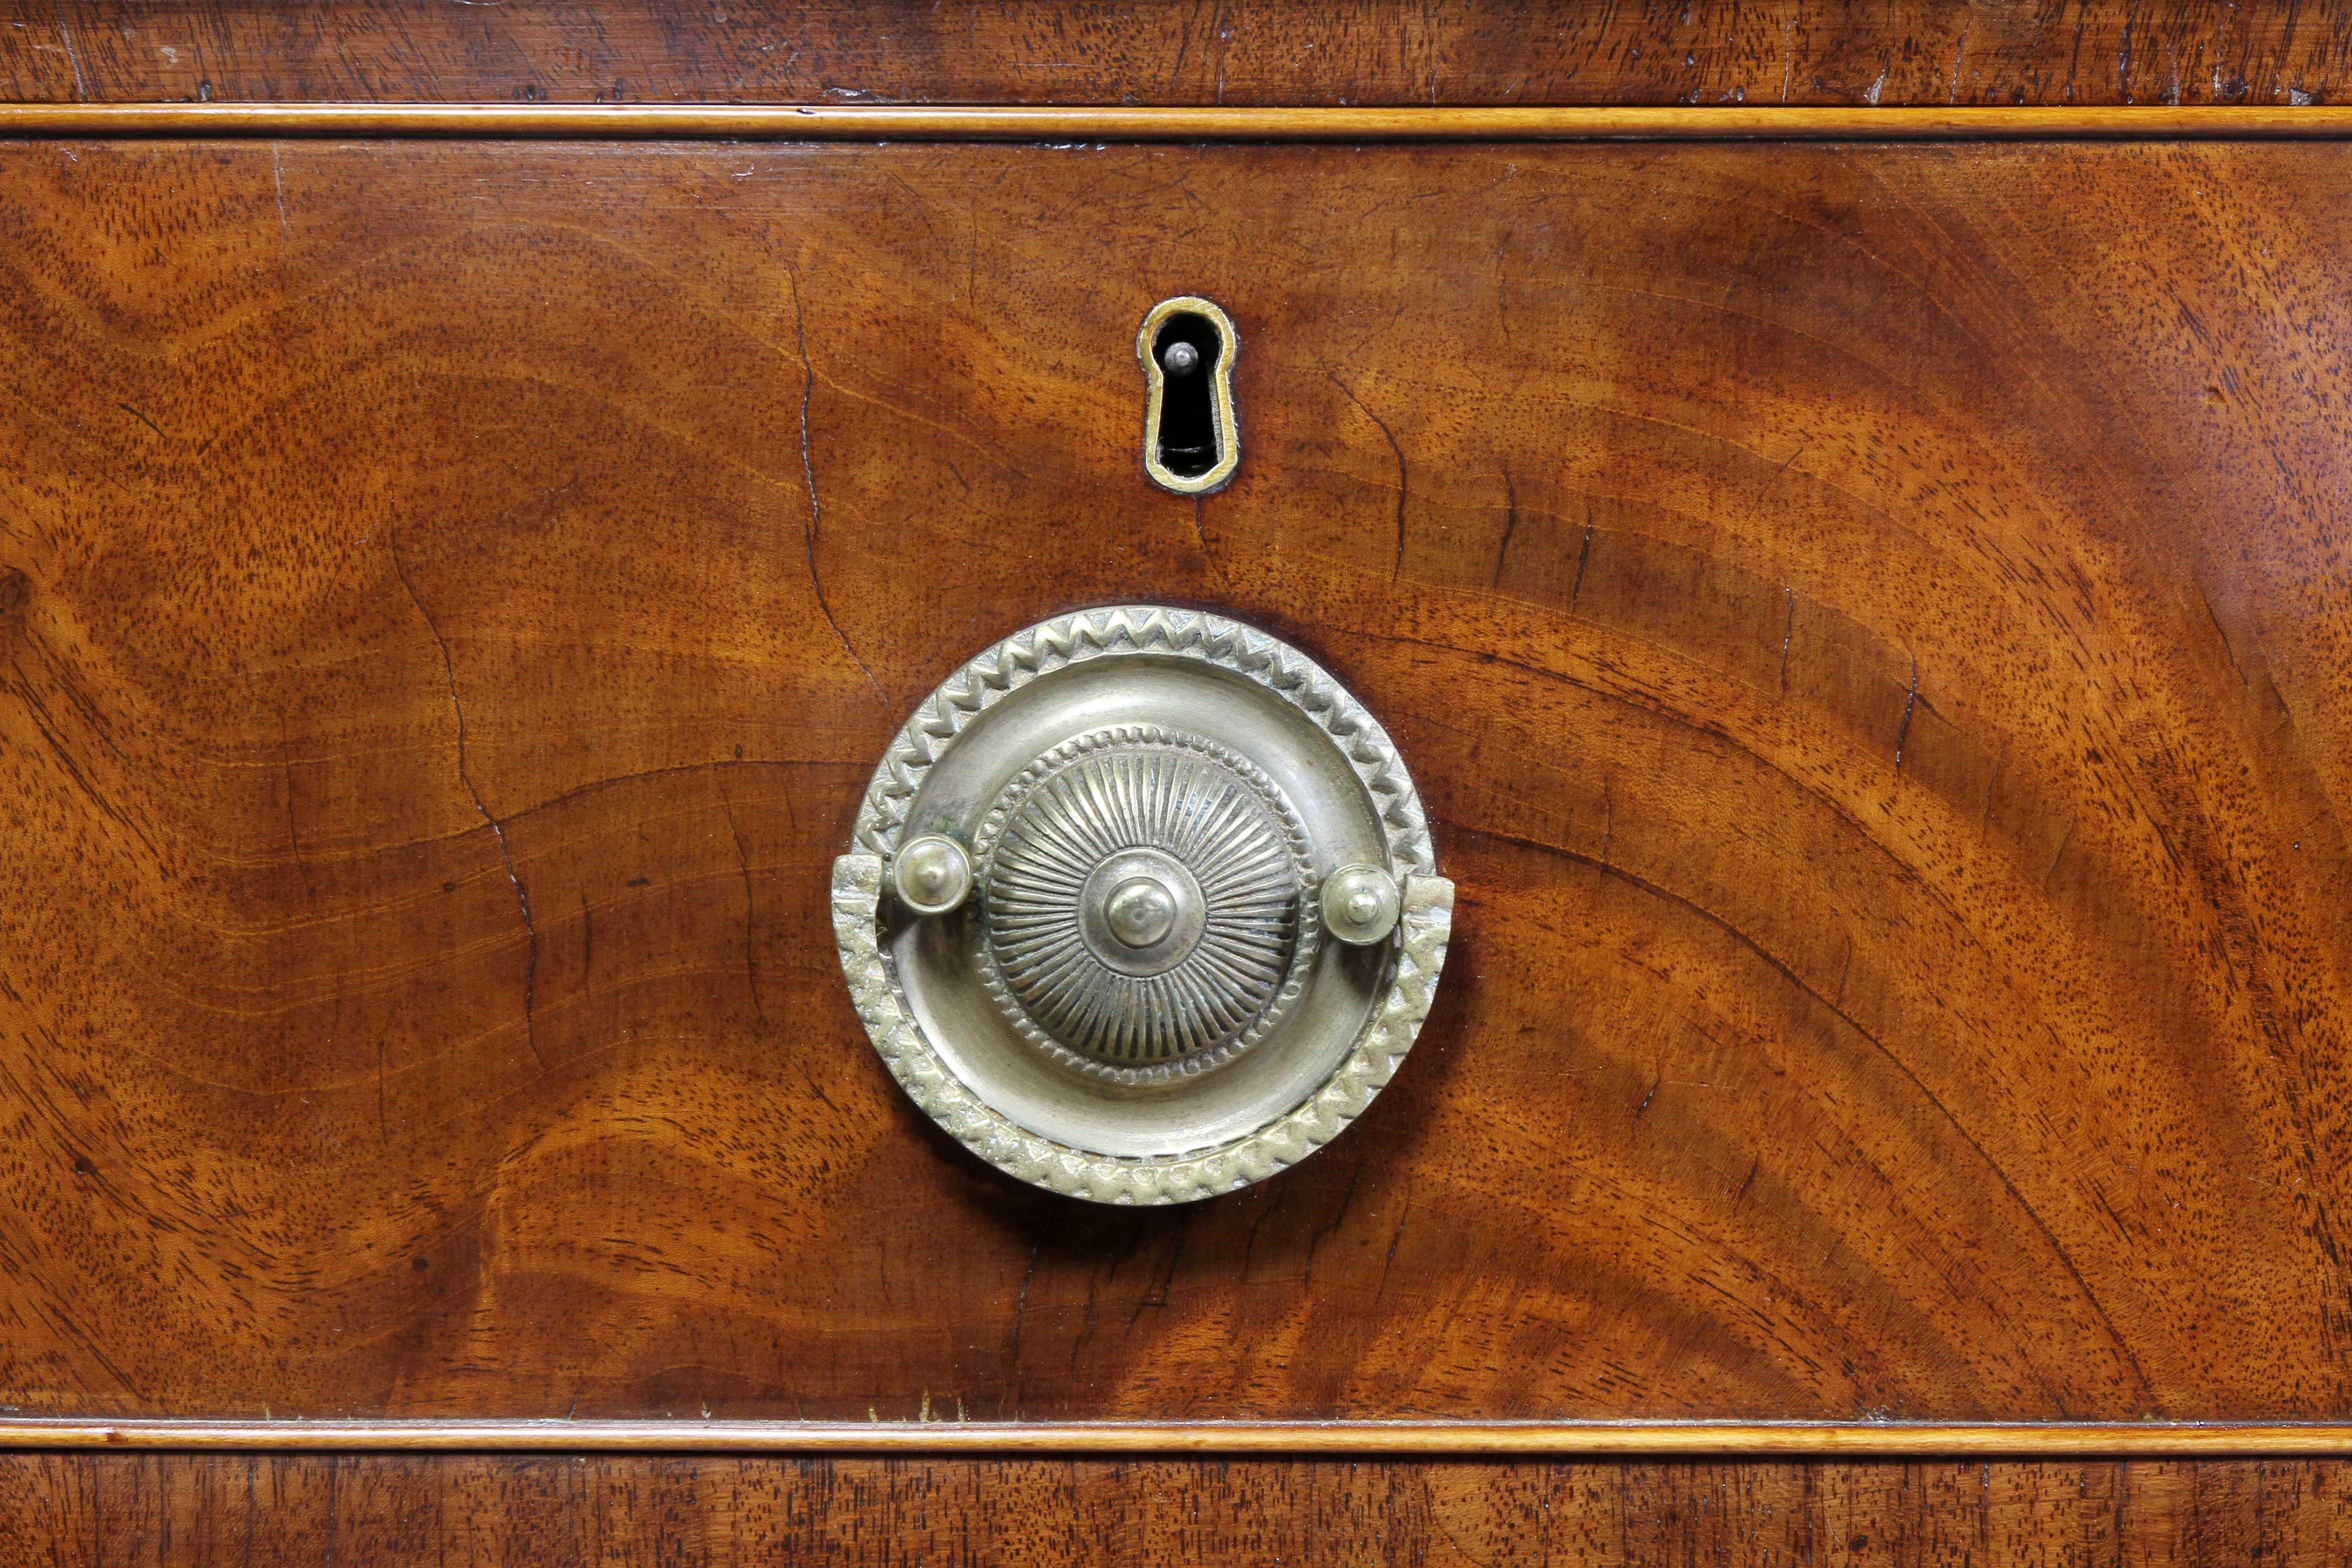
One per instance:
(1868, 624)
(1253, 52)
(281, 1511)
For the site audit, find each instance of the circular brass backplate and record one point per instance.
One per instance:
(1140, 1000)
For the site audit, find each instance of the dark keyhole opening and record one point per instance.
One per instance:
(1188, 413)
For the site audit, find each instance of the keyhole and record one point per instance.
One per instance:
(1188, 352)
(1190, 443)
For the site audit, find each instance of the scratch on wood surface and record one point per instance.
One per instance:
(1323, 1233)
(1167, 1281)
(2059, 854)
(1783, 469)
(1787, 634)
(750, 908)
(1395, 1241)
(1910, 702)
(73, 55)
(1266, 1211)
(1999, 760)
(383, 1121)
(1396, 567)
(498, 829)
(2205, 597)
(816, 508)
(1652, 1095)
(1510, 526)
(1020, 1316)
(1200, 532)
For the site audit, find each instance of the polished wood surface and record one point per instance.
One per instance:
(1873, 646)
(999, 122)
(198, 1511)
(2052, 53)
(1550, 1439)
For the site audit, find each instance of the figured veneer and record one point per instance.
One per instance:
(295, 1510)
(1869, 622)
(1249, 52)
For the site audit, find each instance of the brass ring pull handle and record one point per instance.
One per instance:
(1142, 905)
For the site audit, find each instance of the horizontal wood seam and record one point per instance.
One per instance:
(1008, 123)
(1597, 1438)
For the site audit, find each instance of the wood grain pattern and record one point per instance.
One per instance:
(1003, 123)
(2047, 52)
(1549, 1439)
(1875, 648)
(199, 1511)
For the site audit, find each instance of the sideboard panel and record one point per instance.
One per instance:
(1939, 52)
(281, 1511)
(1871, 624)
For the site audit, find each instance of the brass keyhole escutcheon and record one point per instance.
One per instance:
(1191, 441)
